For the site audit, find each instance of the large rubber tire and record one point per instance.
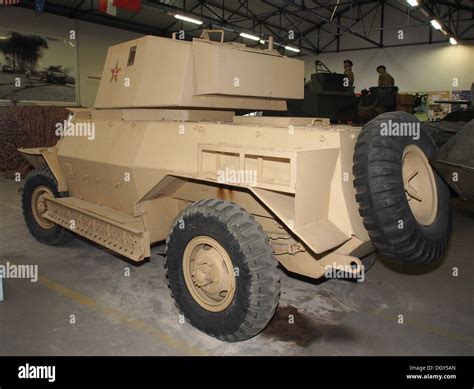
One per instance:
(257, 287)
(382, 199)
(56, 235)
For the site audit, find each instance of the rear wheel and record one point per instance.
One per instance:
(221, 270)
(38, 184)
(403, 202)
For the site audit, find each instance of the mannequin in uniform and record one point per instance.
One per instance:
(348, 71)
(385, 79)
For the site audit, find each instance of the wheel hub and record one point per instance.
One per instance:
(420, 185)
(208, 273)
(203, 275)
(39, 206)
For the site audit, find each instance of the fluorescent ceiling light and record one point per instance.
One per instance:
(453, 41)
(187, 19)
(435, 24)
(262, 41)
(248, 36)
(292, 49)
(413, 3)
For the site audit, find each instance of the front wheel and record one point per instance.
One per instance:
(38, 183)
(221, 270)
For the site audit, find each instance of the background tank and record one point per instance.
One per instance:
(325, 95)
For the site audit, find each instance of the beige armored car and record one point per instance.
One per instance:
(163, 157)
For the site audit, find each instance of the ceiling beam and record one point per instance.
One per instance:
(97, 18)
(456, 5)
(293, 13)
(349, 29)
(336, 14)
(210, 20)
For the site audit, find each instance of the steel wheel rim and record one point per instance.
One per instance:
(39, 207)
(419, 185)
(208, 273)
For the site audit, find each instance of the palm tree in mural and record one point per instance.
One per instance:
(23, 51)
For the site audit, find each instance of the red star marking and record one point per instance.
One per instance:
(115, 71)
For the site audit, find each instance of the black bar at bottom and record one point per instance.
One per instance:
(380, 372)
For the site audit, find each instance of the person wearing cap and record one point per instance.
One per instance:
(348, 71)
(385, 79)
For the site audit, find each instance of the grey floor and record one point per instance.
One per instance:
(119, 315)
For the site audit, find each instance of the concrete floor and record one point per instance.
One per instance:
(135, 315)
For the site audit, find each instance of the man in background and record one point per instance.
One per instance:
(348, 72)
(385, 79)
